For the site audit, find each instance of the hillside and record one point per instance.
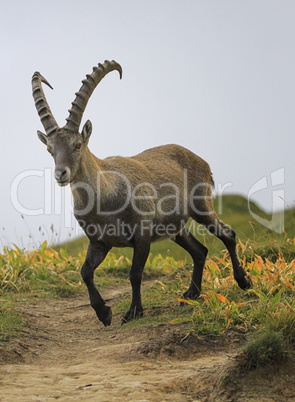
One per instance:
(233, 210)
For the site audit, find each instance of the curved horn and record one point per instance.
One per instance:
(41, 104)
(89, 85)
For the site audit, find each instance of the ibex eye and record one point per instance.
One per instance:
(78, 146)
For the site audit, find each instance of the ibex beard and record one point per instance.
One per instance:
(134, 201)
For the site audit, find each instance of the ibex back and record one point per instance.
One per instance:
(131, 202)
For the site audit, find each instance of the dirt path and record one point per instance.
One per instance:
(65, 354)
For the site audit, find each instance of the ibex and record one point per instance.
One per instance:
(131, 201)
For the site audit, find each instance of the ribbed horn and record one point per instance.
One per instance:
(41, 104)
(89, 85)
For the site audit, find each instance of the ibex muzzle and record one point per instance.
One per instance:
(131, 202)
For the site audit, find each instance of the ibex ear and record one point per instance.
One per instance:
(87, 130)
(42, 137)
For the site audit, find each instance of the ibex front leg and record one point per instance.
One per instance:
(140, 256)
(96, 253)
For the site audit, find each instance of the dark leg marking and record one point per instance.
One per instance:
(140, 256)
(96, 253)
(198, 253)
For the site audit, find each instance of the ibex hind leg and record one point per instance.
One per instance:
(198, 253)
(228, 237)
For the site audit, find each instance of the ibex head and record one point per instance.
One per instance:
(66, 144)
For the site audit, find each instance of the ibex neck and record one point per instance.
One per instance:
(89, 169)
(84, 185)
(90, 179)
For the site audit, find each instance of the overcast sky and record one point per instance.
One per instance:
(214, 76)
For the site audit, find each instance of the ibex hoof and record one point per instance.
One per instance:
(245, 283)
(105, 316)
(132, 314)
(242, 279)
(191, 294)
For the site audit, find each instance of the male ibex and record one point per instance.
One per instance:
(134, 201)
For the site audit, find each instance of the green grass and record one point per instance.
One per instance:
(10, 321)
(43, 269)
(273, 343)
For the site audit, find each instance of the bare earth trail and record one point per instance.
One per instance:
(65, 354)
